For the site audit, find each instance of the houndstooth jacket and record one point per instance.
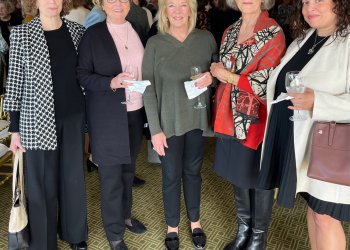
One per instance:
(29, 86)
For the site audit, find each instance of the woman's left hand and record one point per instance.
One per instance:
(205, 80)
(303, 101)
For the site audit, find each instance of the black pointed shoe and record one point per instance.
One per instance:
(137, 227)
(118, 245)
(172, 241)
(79, 246)
(137, 182)
(90, 165)
(199, 239)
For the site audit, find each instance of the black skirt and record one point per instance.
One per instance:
(237, 163)
(278, 168)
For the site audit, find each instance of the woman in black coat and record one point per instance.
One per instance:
(115, 128)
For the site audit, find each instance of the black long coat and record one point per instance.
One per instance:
(107, 118)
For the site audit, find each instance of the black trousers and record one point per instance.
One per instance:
(182, 161)
(55, 186)
(116, 183)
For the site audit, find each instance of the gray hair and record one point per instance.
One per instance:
(265, 4)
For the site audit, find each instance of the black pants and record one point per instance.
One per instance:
(116, 183)
(183, 160)
(55, 186)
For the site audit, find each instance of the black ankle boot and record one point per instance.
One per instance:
(262, 208)
(242, 197)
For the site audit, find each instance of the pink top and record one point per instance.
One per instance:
(130, 50)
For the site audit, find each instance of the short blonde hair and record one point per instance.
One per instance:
(163, 21)
(265, 4)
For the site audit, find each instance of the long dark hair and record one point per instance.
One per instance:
(341, 9)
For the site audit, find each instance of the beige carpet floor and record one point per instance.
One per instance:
(287, 231)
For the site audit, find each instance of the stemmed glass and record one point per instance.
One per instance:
(294, 85)
(134, 72)
(195, 74)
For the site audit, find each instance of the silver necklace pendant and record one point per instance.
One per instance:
(311, 50)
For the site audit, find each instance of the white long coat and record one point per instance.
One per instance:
(328, 74)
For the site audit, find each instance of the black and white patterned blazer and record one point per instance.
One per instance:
(29, 86)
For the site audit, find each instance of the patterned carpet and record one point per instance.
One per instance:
(287, 231)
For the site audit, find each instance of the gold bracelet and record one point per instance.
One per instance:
(230, 78)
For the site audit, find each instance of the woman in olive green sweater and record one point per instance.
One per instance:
(176, 126)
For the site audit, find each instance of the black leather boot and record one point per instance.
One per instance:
(262, 209)
(243, 209)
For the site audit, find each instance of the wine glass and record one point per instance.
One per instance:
(195, 74)
(134, 72)
(294, 85)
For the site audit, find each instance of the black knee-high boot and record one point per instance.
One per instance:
(243, 209)
(262, 208)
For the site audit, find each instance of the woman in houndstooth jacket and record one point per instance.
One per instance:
(46, 107)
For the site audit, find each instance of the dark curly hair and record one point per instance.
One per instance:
(29, 7)
(341, 8)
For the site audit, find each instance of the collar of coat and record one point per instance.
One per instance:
(40, 57)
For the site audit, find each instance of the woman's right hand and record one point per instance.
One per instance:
(222, 74)
(119, 81)
(159, 142)
(16, 143)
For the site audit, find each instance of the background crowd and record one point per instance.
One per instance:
(77, 59)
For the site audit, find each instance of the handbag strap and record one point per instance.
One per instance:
(18, 172)
(332, 128)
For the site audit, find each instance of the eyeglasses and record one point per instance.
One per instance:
(113, 1)
(306, 2)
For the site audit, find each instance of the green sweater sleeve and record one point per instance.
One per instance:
(149, 96)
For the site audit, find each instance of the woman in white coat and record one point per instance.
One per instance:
(321, 53)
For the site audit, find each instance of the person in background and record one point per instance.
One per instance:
(7, 21)
(96, 15)
(115, 116)
(221, 16)
(3, 73)
(143, 4)
(283, 17)
(47, 121)
(249, 51)
(153, 7)
(322, 39)
(79, 12)
(176, 125)
(203, 20)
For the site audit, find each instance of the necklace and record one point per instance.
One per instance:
(126, 42)
(312, 49)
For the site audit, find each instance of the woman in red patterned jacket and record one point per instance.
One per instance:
(249, 51)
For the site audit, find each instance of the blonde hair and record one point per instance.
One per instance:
(163, 21)
(97, 3)
(265, 4)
